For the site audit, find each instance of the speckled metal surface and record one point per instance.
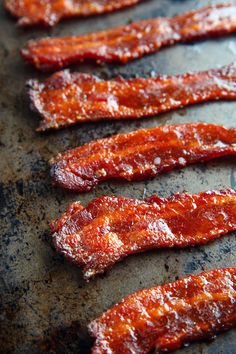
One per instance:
(46, 305)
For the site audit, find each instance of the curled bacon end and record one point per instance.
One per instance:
(141, 154)
(167, 317)
(66, 98)
(132, 41)
(48, 13)
(111, 228)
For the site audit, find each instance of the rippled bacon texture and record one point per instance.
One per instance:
(110, 228)
(141, 154)
(132, 41)
(66, 99)
(166, 317)
(48, 13)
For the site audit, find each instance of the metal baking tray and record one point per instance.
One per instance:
(46, 305)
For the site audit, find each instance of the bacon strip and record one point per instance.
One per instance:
(166, 317)
(141, 154)
(48, 13)
(66, 99)
(110, 228)
(133, 41)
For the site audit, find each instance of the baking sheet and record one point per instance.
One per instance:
(46, 305)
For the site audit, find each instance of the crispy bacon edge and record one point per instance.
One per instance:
(40, 13)
(166, 317)
(141, 154)
(130, 42)
(111, 228)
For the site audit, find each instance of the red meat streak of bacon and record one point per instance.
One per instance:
(110, 228)
(132, 41)
(66, 99)
(166, 317)
(48, 13)
(141, 154)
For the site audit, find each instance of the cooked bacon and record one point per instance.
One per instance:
(141, 154)
(110, 228)
(132, 41)
(48, 13)
(66, 99)
(166, 317)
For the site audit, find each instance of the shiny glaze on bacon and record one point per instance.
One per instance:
(66, 99)
(167, 317)
(132, 41)
(48, 13)
(110, 228)
(141, 154)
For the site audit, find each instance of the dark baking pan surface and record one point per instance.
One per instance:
(46, 305)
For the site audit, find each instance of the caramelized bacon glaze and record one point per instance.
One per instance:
(141, 154)
(65, 98)
(111, 228)
(48, 13)
(168, 316)
(132, 41)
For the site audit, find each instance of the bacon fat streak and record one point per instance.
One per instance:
(110, 228)
(48, 13)
(141, 154)
(132, 41)
(168, 316)
(66, 99)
